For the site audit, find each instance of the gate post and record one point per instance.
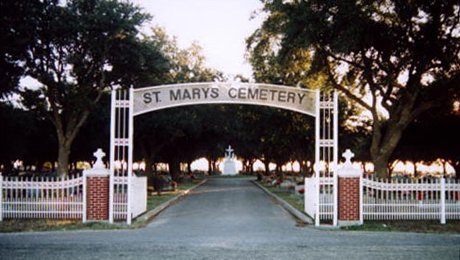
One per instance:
(1, 197)
(349, 193)
(326, 154)
(443, 200)
(96, 191)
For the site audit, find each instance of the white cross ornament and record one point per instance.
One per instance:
(348, 155)
(99, 154)
(229, 149)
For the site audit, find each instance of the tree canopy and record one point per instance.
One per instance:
(80, 49)
(396, 59)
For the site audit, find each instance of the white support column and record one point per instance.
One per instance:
(317, 155)
(335, 155)
(85, 193)
(443, 200)
(130, 153)
(361, 203)
(1, 197)
(112, 151)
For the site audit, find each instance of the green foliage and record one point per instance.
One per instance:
(431, 137)
(394, 56)
(18, 20)
(24, 136)
(172, 135)
(79, 50)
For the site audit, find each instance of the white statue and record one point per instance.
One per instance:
(229, 163)
(229, 153)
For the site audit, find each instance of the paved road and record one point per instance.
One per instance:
(227, 219)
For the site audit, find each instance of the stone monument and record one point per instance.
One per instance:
(229, 162)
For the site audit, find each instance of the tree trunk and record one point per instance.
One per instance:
(246, 165)
(214, 166)
(363, 167)
(390, 169)
(148, 167)
(444, 168)
(251, 167)
(384, 142)
(415, 170)
(189, 167)
(174, 169)
(456, 165)
(381, 167)
(209, 167)
(309, 169)
(63, 159)
(387, 133)
(155, 168)
(267, 167)
(279, 168)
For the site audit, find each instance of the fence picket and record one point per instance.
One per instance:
(40, 197)
(407, 199)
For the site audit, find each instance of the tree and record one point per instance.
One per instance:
(432, 136)
(81, 49)
(12, 132)
(170, 133)
(18, 20)
(94, 134)
(396, 59)
(25, 137)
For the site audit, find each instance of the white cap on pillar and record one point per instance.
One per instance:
(348, 170)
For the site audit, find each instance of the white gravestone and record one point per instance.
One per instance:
(229, 163)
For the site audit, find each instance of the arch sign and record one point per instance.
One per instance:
(160, 97)
(127, 190)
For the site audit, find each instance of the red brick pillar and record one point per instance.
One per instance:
(97, 198)
(349, 192)
(96, 191)
(348, 200)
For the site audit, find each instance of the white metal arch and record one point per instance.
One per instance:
(126, 104)
(174, 95)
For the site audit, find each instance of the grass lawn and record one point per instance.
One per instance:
(294, 200)
(33, 225)
(153, 200)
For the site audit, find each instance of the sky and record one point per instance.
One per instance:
(219, 26)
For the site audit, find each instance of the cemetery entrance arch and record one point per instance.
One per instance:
(126, 104)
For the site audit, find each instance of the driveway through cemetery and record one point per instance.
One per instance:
(227, 219)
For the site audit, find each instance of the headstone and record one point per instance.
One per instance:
(229, 163)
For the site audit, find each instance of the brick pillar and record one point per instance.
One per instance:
(96, 194)
(97, 198)
(348, 200)
(349, 193)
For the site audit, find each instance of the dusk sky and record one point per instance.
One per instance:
(219, 26)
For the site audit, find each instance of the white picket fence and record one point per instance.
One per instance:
(62, 198)
(120, 198)
(396, 199)
(326, 198)
(407, 199)
(40, 197)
